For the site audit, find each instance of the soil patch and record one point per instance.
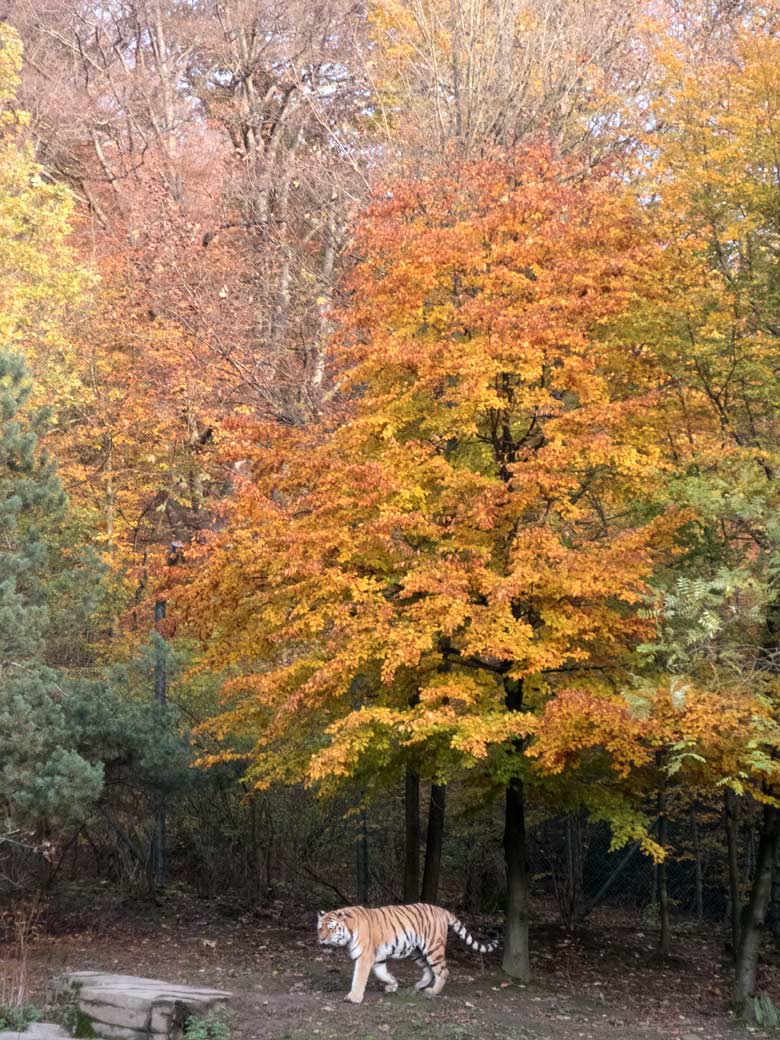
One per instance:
(603, 983)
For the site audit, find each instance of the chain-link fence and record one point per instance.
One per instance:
(288, 847)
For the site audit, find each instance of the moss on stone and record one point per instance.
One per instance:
(79, 1024)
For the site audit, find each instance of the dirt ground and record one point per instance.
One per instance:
(602, 983)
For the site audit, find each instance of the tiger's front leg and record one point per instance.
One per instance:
(390, 981)
(359, 979)
(428, 976)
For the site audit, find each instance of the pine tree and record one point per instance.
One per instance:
(42, 773)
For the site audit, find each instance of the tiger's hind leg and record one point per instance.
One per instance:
(434, 952)
(381, 972)
(428, 976)
(442, 973)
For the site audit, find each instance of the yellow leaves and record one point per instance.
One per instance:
(651, 848)
(10, 64)
(477, 734)
(390, 16)
(207, 761)
(443, 718)
(462, 691)
(40, 280)
(370, 728)
(719, 107)
(404, 648)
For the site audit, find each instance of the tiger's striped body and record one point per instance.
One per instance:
(416, 930)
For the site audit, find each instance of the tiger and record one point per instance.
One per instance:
(373, 935)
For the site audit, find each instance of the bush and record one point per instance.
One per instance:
(196, 1028)
(16, 1019)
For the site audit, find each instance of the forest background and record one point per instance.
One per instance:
(389, 412)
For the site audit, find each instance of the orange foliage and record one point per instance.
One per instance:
(578, 721)
(479, 511)
(709, 731)
(129, 427)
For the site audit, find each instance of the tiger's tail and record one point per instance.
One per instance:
(463, 933)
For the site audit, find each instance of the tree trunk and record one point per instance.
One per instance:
(318, 343)
(697, 862)
(433, 844)
(575, 889)
(753, 925)
(732, 845)
(516, 960)
(750, 856)
(664, 939)
(109, 471)
(157, 864)
(412, 836)
(361, 865)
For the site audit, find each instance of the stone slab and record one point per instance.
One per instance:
(108, 1014)
(135, 985)
(165, 1018)
(128, 1007)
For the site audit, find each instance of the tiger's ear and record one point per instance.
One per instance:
(320, 914)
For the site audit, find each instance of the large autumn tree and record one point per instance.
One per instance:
(468, 535)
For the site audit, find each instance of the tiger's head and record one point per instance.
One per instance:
(332, 928)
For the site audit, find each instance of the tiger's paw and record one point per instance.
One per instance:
(391, 987)
(351, 998)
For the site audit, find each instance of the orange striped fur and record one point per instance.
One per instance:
(416, 930)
